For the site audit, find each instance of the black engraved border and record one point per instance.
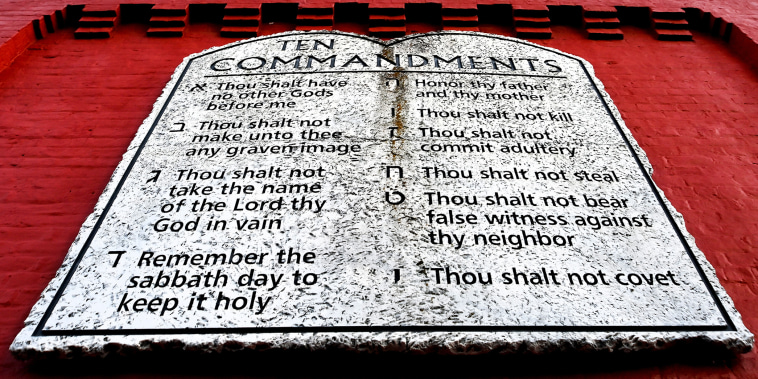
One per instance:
(41, 332)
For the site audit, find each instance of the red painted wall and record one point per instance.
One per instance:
(70, 107)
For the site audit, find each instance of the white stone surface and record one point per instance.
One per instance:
(373, 274)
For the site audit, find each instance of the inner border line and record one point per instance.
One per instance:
(384, 329)
(39, 330)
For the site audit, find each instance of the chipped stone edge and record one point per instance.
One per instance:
(27, 347)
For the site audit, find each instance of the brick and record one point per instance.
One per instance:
(387, 31)
(174, 31)
(241, 20)
(533, 22)
(534, 33)
(239, 31)
(599, 11)
(601, 23)
(530, 10)
(98, 22)
(673, 35)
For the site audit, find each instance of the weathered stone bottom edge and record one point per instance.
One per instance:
(409, 343)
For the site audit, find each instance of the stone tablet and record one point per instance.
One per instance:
(446, 192)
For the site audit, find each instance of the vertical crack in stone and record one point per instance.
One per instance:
(399, 104)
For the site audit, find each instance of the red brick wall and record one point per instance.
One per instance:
(70, 107)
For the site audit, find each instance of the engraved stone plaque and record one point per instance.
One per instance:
(454, 192)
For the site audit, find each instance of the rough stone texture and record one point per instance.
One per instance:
(359, 239)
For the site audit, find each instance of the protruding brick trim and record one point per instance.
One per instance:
(315, 18)
(532, 22)
(386, 22)
(602, 23)
(241, 21)
(659, 23)
(710, 23)
(744, 46)
(167, 21)
(460, 19)
(97, 22)
(49, 23)
(16, 45)
(670, 24)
